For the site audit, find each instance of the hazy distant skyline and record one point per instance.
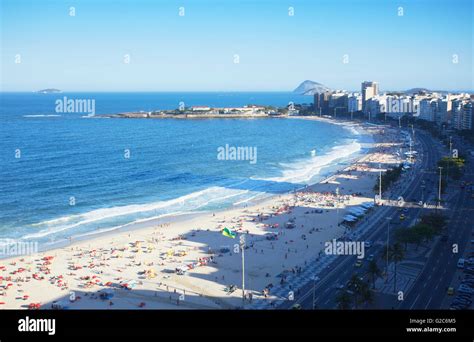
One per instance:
(197, 51)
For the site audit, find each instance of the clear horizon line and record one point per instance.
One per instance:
(219, 91)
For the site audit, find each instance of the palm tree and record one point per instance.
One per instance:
(343, 300)
(355, 285)
(367, 296)
(395, 254)
(374, 271)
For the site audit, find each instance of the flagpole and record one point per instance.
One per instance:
(242, 240)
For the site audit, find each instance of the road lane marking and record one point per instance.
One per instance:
(414, 302)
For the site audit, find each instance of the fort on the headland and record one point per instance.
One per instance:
(250, 111)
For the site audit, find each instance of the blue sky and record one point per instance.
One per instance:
(195, 52)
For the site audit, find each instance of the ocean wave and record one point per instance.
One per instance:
(215, 197)
(136, 213)
(305, 170)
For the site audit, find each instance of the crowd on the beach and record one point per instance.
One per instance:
(283, 234)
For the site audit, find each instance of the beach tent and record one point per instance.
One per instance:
(357, 211)
(350, 218)
(368, 205)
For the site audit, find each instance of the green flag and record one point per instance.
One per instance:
(229, 233)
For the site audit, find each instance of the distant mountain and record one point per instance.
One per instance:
(424, 90)
(310, 88)
(417, 90)
(49, 91)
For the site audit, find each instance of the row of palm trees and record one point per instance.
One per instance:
(429, 225)
(358, 291)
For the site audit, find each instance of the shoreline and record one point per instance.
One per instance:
(196, 238)
(326, 173)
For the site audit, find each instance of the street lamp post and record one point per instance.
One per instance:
(449, 158)
(380, 183)
(388, 241)
(439, 187)
(242, 246)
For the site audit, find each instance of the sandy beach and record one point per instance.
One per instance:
(137, 269)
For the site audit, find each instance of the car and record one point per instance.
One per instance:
(296, 307)
(368, 244)
(358, 263)
(402, 217)
(370, 257)
(450, 291)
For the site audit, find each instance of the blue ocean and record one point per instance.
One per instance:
(68, 175)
